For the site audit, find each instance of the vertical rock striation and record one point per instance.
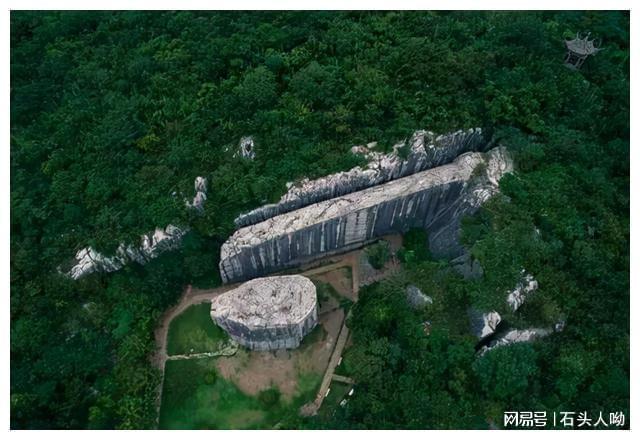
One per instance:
(423, 150)
(268, 313)
(435, 200)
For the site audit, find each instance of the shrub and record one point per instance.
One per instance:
(378, 254)
(210, 377)
(269, 397)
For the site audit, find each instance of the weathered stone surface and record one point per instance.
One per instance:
(467, 266)
(435, 200)
(247, 147)
(484, 324)
(515, 336)
(425, 150)
(200, 186)
(416, 299)
(523, 289)
(88, 260)
(268, 313)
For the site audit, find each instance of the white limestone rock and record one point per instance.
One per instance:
(200, 186)
(246, 148)
(268, 313)
(484, 324)
(416, 299)
(515, 337)
(88, 260)
(435, 200)
(523, 289)
(425, 150)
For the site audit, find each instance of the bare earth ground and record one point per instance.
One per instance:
(254, 371)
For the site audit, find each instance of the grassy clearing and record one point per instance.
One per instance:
(193, 331)
(192, 400)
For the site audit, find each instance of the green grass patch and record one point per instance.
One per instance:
(193, 331)
(195, 396)
(191, 401)
(332, 401)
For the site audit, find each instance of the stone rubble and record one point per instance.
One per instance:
(425, 150)
(268, 313)
(88, 260)
(435, 200)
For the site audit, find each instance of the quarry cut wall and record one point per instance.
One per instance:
(435, 200)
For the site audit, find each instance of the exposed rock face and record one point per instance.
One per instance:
(246, 147)
(435, 200)
(484, 324)
(88, 260)
(268, 313)
(525, 287)
(515, 336)
(424, 150)
(200, 186)
(467, 266)
(416, 299)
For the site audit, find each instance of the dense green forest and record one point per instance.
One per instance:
(113, 112)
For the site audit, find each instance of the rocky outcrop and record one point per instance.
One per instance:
(525, 287)
(87, 260)
(515, 336)
(484, 324)
(422, 151)
(416, 299)
(268, 313)
(467, 266)
(200, 186)
(435, 200)
(246, 148)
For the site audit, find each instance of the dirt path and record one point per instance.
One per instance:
(311, 408)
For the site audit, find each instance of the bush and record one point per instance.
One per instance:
(378, 254)
(269, 397)
(210, 377)
(415, 246)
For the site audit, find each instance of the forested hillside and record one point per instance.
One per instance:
(114, 114)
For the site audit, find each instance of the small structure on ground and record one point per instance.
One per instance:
(578, 50)
(268, 313)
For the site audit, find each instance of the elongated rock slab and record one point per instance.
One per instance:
(435, 200)
(424, 150)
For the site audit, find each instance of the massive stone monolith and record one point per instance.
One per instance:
(435, 200)
(268, 313)
(422, 151)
